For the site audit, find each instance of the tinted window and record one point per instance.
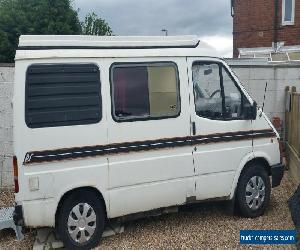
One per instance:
(145, 91)
(62, 95)
(131, 93)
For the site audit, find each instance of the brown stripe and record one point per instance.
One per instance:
(100, 150)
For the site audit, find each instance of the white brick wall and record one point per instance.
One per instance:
(252, 76)
(6, 125)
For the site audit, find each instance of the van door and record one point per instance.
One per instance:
(222, 136)
(149, 129)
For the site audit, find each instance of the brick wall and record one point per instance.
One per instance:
(253, 25)
(6, 124)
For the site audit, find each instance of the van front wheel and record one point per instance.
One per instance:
(253, 193)
(81, 220)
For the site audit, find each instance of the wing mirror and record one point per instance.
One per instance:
(250, 111)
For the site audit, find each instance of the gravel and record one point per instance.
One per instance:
(206, 225)
(7, 237)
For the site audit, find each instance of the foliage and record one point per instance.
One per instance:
(94, 25)
(34, 17)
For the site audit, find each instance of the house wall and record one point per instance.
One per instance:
(253, 74)
(254, 78)
(6, 124)
(253, 25)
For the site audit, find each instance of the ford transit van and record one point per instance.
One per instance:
(106, 127)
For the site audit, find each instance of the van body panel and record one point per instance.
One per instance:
(137, 164)
(152, 169)
(79, 174)
(52, 179)
(149, 196)
(267, 148)
(167, 169)
(218, 159)
(39, 213)
(205, 157)
(247, 158)
(221, 187)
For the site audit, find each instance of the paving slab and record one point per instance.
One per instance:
(47, 239)
(6, 221)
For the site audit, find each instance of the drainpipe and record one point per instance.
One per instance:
(233, 28)
(275, 33)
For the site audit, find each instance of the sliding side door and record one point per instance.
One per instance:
(148, 129)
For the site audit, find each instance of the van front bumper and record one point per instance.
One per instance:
(277, 172)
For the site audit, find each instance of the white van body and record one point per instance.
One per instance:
(135, 165)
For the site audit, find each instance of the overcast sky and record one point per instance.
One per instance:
(209, 19)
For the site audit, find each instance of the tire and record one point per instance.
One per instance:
(253, 191)
(83, 231)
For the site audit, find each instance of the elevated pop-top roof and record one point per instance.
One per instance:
(32, 42)
(57, 46)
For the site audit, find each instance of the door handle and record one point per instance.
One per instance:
(194, 128)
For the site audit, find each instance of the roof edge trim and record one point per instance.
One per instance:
(105, 47)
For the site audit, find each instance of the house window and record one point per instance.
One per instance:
(288, 12)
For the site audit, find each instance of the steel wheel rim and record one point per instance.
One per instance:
(255, 192)
(82, 223)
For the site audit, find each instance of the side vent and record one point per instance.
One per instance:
(62, 95)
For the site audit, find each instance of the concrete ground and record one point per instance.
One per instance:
(204, 226)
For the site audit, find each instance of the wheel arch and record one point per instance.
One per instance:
(246, 162)
(84, 188)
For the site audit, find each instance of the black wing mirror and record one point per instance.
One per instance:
(250, 111)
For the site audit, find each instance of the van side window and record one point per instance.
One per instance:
(145, 91)
(207, 90)
(216, 94)
(62, 95)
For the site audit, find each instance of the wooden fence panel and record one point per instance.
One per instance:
(293, 119)
(295, 123)
(293, 132)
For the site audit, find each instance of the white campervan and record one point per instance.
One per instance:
(105, 127)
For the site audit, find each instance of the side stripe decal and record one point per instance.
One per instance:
(91, 151)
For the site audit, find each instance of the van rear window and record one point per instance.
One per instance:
(62, 95)
(145, 91)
